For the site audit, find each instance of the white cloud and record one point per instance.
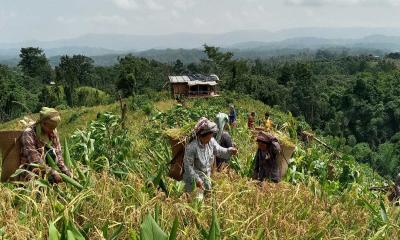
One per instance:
(261, 8)
(183, 4)
(153, 5)
(175, 14)
(229, 16)
(6, 16)
(111, 20)
(199, 21)
(126, 4)
(65, 20)
(342, 2)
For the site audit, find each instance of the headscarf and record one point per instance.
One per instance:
(265, 137)
(50, 114)
(204, 126)
(221, 119)
(47, 114)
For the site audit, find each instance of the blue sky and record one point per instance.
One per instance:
(22, 20)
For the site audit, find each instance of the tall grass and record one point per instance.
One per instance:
(310, 204)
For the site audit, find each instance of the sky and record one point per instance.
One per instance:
(26, 20)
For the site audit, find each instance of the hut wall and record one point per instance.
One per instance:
(180, 89)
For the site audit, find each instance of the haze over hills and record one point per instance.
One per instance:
(161, 46)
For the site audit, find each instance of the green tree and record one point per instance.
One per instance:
(72, 72)
(137, 74)
(35, 64)
(178, 68)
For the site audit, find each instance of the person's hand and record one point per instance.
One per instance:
(56, 177)
(199, 184)
(233, 150)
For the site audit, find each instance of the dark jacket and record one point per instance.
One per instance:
(266, 166)
(225, 142)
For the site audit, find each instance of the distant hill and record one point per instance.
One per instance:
(106, 48)
(195, 55)
(126, 42)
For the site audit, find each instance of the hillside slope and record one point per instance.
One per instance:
(309, 204)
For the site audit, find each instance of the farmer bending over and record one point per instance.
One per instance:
(39, 139)
(266, 165)
(199, 156)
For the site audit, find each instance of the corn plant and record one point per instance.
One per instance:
(104, 145)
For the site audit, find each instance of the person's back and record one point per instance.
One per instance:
(225, 142)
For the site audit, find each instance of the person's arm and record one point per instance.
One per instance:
(188, 163)
(60, 159)
(226, 140)
(219, 151)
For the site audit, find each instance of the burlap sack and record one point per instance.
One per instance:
(10, 147)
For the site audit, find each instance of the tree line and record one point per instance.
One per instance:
(355, 99)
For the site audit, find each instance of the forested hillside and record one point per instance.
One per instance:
(353, 99)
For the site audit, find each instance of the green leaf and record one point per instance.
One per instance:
(133, 235)
(71, 181)
(116, 233)
(70, 235)
(156, 212)
(104, 229)
(214, 233)
(174, 229)
(53, 232)
(149, 230)
(67, 156)
(51, 161)
(76, 233)
(383, 212)
(260, 234)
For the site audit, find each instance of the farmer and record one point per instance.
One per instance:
(199, 155)
(232, 115)
(267, 122)
(223, 138)
(39, 139)
(251, 119)
(266, 165)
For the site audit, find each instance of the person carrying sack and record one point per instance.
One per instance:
(266, 166)
(199, 155)
(40, 139)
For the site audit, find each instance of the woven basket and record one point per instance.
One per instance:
(176, 166)
(10, 147)
(283, 158)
